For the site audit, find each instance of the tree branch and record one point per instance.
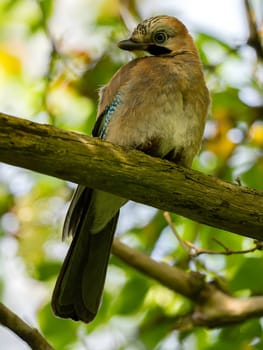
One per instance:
(187, 284)
(30, 335)
(131, 174)
(213, 307)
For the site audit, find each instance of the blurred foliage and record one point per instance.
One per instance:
(50, 72)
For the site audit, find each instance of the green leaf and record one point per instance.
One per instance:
(242, 334)
(61, 333)
(132, 295)
(46, 7)
(154, 327)
(248, 276)
(253, 177)
(46, 270)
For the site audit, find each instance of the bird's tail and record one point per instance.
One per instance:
(79, 287)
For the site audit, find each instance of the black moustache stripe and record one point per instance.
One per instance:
(157, 50)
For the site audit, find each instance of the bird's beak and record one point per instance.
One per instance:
(131, 45)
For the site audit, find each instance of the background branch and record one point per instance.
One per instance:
(254, 39)
(170, 276)
(213, 307)
(30, 335)
(131, 174)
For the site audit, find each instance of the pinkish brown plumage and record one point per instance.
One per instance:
(157, 104)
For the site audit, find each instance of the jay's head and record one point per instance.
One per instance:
(159, 36)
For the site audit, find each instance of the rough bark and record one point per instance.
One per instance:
(131, 174)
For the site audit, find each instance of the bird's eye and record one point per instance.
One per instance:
(160, 37)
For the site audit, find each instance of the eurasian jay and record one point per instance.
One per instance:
(157, 104)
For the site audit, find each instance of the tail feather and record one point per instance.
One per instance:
(79, 287)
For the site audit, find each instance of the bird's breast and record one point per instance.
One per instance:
(161, 108)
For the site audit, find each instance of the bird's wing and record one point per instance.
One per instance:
(80, 283)
(110, 96)
(108, 103)
(77, 209)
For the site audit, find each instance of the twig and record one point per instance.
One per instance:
(195, 251)
(183, 243)
(30, 335)
(238, 181)
(254, 38)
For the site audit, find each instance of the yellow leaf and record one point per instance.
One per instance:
(9, 62)
(256, 134)
(220, 144)
(109, 9)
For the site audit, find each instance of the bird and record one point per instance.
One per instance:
(156, 103)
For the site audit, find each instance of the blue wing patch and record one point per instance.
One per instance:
(100, 128)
